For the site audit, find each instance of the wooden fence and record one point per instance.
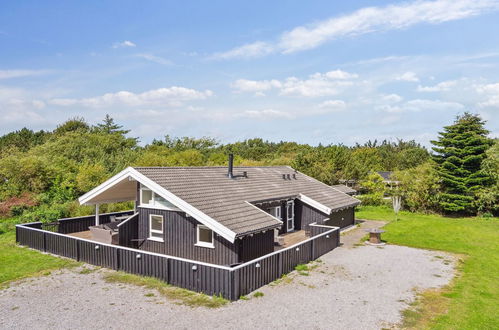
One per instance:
(229, 282)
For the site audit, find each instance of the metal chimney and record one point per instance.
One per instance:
(231, 165)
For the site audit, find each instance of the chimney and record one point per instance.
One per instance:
(231, 165)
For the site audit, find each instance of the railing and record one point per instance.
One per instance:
(198, 276)
(73, 225)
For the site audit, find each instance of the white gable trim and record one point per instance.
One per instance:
(315, 204)
(181, 204)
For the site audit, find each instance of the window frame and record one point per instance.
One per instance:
(154, 205)
(162, 231)
(278, 214)
(205, 244)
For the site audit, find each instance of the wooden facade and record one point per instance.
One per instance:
(306, 215)
(180, 237)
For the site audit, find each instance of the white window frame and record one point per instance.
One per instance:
(277, 212)
(162, 231)
(154, 205)
(205, 244)
(292, 218)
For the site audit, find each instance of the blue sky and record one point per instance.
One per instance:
(311, 72)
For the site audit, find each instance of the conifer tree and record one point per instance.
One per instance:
(459, 153)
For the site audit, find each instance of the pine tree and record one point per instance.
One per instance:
(110, 127)
(459, 152)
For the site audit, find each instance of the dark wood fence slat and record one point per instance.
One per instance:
(230, 283)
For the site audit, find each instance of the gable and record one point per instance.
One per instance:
(128, 177)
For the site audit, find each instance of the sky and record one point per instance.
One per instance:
(305, 71)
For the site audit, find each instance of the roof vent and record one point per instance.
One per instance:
(284, 176)
(245, 174)
(294, 176)
(289, 176)
(231, 166)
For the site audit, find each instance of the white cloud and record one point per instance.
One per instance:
(491, 92)
(123, 44)
(256, 49)
(155, 59)
(432, 105)
(440, 87)
(266, 114)
(333, 104)
(172, 96)
(256, 86)
(316, 85)
(8, 74)
(363, 21)
(408, 76)
(392, 98)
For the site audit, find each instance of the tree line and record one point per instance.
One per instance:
(43, 173)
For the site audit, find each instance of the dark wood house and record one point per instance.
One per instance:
(218, 215)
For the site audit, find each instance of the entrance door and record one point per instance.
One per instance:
(290, 215)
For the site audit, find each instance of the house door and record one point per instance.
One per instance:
(290, 216)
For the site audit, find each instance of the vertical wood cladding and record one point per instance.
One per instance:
(308, 215)
(180, 237)
(129, 232)
(342, 218)
(255, 246)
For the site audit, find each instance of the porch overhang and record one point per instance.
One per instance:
(110, 192)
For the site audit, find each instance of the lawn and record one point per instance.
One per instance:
(17, 262)
(473, 298)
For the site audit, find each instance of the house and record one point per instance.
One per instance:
(220, 215)
(387, 179)
(345, 189)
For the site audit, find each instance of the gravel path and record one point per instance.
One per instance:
(354, 287)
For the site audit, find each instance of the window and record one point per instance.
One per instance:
(275, 211)
(290, 211)
(156, 227)
(204, 237)
(149, 198)
(145, 196)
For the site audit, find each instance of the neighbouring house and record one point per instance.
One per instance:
(388, 180)
(220, 215)
(345, 189)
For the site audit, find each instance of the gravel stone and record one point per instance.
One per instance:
(354, 287)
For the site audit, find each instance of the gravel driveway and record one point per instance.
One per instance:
(354, 287)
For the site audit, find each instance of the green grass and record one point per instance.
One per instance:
(17, 262)
(258, 294)
(472, 300)
(179, 295)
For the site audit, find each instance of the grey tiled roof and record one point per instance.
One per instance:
(225, 200)
(344, 189)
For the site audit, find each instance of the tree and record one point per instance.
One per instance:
(418, 187)
(108, 126)
(488, 197)
(459, 153)
(76, 124)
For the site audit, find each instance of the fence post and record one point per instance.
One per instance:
(77, 250)
(279, 264)
(117, 256)
(312, 250)
(44, 242)
(168, 266)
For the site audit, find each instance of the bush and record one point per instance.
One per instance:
(372, 199)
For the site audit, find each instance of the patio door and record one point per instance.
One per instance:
(290, 216)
